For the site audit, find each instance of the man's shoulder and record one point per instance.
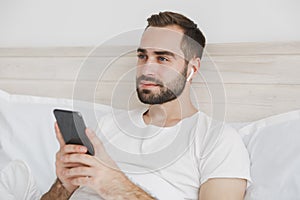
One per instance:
(214, 134)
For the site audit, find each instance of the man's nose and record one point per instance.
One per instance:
(149, 68)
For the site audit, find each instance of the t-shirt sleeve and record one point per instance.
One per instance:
(228, 158)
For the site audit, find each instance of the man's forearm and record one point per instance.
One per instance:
(123, 188)
(57, 192)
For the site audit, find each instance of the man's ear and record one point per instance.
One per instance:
(194, 64)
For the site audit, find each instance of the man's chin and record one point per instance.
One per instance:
(155, 100)
(148, 96)
(147, 99)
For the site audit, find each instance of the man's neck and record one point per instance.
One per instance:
(169, 113)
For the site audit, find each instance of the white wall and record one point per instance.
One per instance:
(90, 22)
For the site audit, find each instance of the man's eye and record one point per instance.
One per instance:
(162, 59)
(141, 56)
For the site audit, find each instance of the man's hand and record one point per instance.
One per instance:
(61, 165)
(91, 171)
(62, 189)
(99, 172)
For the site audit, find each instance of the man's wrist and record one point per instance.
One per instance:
(57, 191)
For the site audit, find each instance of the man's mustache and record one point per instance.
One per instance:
(151, 79)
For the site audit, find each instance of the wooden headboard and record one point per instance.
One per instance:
(259, 79)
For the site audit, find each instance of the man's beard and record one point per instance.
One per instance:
(167, 92)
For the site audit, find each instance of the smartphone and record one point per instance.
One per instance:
(72, 128)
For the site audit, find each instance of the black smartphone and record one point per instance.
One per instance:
(72, 128)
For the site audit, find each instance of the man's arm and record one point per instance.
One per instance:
(125, 190)
(223, 189)
(118, 187)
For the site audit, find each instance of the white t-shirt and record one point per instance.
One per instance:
(185, 155)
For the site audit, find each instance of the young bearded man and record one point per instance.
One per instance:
(171, 139)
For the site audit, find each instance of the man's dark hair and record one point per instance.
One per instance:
(193, 41)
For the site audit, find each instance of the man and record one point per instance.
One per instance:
(171, 138)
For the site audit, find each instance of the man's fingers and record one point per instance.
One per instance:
(73, 148)
(59, 135)
(83, 159)
(79, 171)
(70, 165)
(82, 181)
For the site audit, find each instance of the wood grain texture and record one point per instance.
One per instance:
(260, 79)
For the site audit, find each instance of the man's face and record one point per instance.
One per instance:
(161, 71)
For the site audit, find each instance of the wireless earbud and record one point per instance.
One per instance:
(190, 76)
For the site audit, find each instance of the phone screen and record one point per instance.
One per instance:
(72, 127)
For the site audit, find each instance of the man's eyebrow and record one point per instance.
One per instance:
(141, 50)
(169, 53)
(164, 53)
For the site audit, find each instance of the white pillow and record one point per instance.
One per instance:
(274, 145)
(17, 182)
(27, 131)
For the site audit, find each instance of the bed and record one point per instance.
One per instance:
(254, 86)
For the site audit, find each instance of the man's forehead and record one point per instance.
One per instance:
(162, 39)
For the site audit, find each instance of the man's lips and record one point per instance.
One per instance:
(148, 84)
